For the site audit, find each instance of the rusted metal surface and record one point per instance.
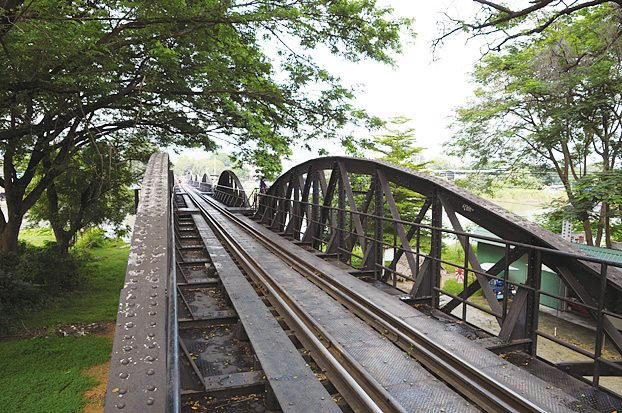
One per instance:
(291, 380)
(338, 222)
(139, 371)
(468, 367)
(230, 191)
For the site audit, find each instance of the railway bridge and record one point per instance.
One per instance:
(335, 292)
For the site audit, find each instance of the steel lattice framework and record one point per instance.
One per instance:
(230, 191)
(344, 205)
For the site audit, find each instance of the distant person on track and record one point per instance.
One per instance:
(263, 186)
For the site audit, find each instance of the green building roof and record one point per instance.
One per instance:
(602, 253)
(597, 252)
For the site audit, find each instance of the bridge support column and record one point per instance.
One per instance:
(521, 321)
(433, 277)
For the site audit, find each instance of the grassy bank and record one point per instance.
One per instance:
(46, 372)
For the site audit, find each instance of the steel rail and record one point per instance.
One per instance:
(477, 386)
(173, 327)
(359, 388)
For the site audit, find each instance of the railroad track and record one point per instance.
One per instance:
(362, 392)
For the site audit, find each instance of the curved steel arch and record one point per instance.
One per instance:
(206, 184)
(230, 191)
(311, 208)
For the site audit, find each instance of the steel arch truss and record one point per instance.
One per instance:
(206, 184)
(230, 191)
(354, 209)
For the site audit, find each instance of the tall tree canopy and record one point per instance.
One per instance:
(171, 72)
(502, 22)
(555, 101)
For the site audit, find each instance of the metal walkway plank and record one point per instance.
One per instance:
(291, 379)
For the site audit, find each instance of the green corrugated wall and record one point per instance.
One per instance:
(550, 282)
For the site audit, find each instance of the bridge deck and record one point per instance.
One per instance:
(408, 382)
(542, 392)
(290, 378)
(551, 398)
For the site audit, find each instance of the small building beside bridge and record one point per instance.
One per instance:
(489, 252)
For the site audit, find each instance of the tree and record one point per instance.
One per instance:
(504, 23)
(96, 191)
(213, 164)
(396, 145)
(171, 73)
(554, 101)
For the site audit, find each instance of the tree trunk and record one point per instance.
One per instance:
(587, 228)
(607, 227)
(601, 224)
(9, 234)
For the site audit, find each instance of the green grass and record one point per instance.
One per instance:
(44, 374)
(36, 236)
(95, 300)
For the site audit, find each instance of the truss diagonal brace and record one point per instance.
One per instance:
(491, 297)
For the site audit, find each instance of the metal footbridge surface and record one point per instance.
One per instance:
(237, 303)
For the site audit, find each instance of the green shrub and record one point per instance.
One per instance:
(91, 238)
(32, 275)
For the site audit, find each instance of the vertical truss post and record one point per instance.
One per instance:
(534, 279)
(341, 217)
(522, 319)
(313, 223)
(435, 249)
(378, 227)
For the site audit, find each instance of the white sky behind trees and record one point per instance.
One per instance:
(423, 86)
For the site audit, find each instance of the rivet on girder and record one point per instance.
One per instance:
(120, 405)
(150, 372)
(124, 375)
(150, 401)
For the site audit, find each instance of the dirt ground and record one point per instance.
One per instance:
(97, 394)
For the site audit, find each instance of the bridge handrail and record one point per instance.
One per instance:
(140, 363)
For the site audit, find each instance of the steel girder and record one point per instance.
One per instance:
(306, 204)
(230, 191)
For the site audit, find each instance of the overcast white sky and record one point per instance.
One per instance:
(419, 87)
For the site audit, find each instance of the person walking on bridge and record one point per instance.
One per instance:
(263, 187)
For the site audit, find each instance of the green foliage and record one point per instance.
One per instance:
(96, 191)
(396, 144)
(91, 238)
(174, 73)
(547, 102)
(54, 367)
(36, 236)
(94, 300)
(32, 275)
